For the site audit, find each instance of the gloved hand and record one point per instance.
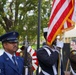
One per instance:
(59, 44)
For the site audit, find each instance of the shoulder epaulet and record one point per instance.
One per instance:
(48, 49)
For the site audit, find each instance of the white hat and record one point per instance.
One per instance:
(45, 29)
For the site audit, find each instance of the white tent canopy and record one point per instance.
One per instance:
(70, 33)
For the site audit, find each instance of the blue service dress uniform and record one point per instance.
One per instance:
(46, 62)
(7, 67)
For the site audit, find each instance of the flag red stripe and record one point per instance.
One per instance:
(56, 10)
(59, 16)
(59, 22)
(68, 24)
(57, 25)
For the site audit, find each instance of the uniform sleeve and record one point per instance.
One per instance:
(43, 57)
(1, 68)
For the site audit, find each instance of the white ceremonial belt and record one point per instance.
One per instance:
(45, 73)
(72, 71)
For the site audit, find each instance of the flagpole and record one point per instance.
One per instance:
(39, 23)
(59, 64)
(38, 31)
(60, 56)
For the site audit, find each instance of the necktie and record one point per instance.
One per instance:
(15, 62)
(14, 59)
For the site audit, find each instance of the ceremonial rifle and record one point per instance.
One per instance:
(25, 57)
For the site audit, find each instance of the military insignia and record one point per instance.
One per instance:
(17, 58)
(7, 58)
(14, 33)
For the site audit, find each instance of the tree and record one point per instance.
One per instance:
(16, 14)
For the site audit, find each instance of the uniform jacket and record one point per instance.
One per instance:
(46, 62)
(73, 60)
(7, 67)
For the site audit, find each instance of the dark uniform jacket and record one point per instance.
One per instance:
(73, 60)
(7, 67)
(46, 62)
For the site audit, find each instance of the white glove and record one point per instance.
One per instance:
(60, 44)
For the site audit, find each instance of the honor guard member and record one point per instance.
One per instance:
(48, 57)
(10, 64)
(73, 62)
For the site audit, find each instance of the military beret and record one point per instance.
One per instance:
(9, 37)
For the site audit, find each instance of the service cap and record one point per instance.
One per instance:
(10, 37)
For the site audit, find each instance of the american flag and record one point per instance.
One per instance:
(70, 23)
(61, 12)
(33, 54)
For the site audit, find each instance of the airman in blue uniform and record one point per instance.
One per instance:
(8, 66)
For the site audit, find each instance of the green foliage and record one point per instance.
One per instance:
(17, 14)
(1, 45)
